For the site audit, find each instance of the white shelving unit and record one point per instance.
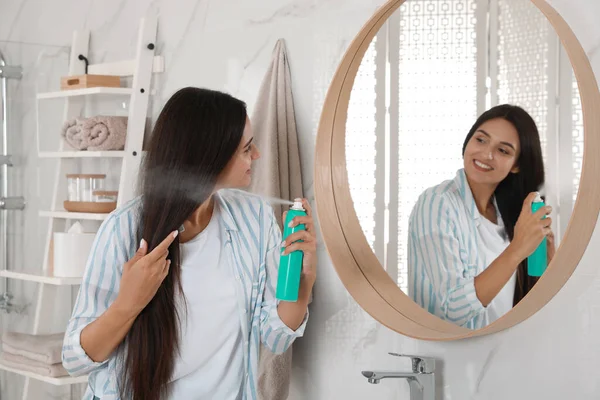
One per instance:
(53, 381)
(140, 69)
(85, 92)
(46, 279)
(81, 154)
(62, 214)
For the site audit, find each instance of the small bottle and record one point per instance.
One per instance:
(538, 260)
(290, 265)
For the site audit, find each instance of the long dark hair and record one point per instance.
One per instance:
(195, 136)
(512, 191)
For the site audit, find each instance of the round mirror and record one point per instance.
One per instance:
(441, 120)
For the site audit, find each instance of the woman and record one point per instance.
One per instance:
(179, 288)
(469, 238)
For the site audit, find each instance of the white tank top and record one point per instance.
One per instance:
(495, 241)
(210, 364)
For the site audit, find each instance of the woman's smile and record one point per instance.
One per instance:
(481, 166)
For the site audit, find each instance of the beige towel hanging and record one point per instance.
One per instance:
(276, 174)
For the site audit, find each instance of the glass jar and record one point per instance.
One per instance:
(104, 196)
(81, 186)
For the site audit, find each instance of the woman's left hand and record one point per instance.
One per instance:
(550, 246)
(308, 246)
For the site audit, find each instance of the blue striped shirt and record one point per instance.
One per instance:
(251, 237)
(446, 253)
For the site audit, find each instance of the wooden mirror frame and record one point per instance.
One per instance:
(356, 264)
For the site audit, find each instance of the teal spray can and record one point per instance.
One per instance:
(538, 260)
(290, 265)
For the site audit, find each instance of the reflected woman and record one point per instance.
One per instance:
(469, 238)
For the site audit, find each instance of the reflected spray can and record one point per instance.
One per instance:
(538, 260)
(290, 265)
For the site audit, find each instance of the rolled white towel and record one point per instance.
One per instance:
(72, 132)
(99, 133)
(105, 133)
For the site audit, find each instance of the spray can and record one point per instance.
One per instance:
(538, 260)
(290, 265)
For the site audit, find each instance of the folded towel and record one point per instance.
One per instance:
(99, 133)
(46, 349)
(25, 364)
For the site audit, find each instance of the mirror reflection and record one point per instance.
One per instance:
(461, 111)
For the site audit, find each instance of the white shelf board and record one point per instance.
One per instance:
(81, 154)
(65, 380)
(85, 92)
(74, 215)
(51, 280)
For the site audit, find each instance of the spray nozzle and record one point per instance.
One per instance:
(538, 198)
(297, 204)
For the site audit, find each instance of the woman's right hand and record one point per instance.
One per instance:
(143, 275)
(530, 229)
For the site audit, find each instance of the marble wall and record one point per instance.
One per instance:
(227, 45)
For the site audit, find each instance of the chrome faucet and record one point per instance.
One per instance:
(421, 380)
